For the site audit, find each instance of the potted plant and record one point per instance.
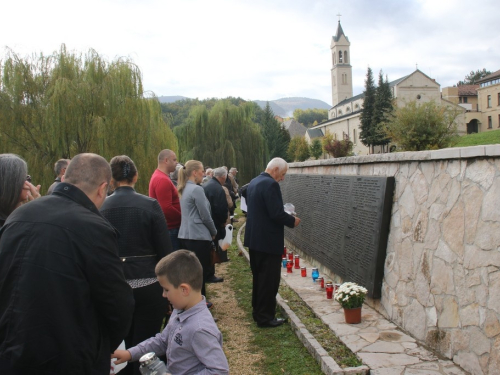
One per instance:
(351, 296)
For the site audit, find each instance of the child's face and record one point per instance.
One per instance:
(176, 296)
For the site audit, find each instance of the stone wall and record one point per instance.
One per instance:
(442, 268)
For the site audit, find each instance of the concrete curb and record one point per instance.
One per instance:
(327, 363)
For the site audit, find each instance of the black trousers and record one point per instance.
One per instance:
(202, 250)
(266, 271)
(150, 309)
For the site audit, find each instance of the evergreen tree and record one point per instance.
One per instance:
(366, 133)
(277, 138)
(473, 77)
(57, 106)
(316, 148)
(383, 106)
(223, 135)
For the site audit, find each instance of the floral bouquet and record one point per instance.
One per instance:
(350, 295)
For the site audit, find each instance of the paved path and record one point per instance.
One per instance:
(380, 344)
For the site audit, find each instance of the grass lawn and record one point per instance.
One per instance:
(484, 138)
(283, 351)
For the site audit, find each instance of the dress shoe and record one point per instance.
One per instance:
(214, 279)
(272, 323)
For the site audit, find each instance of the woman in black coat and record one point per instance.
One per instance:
(143, 241)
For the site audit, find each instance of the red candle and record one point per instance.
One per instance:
(329, 290)
(321, 282)
(289, 266)
(290, 256)
(284, 250)
(297, 262)
(303, 271)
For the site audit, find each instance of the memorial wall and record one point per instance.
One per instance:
(441, 277)
(345, 223)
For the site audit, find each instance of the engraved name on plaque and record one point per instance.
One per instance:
(344, 223)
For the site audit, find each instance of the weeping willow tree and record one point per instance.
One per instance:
(225, 135)
(57, 106)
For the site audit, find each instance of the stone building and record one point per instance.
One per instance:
(344, 118)
(488, 96)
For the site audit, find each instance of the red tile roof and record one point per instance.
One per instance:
(467, 90)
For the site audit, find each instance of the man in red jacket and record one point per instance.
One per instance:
(163, 190)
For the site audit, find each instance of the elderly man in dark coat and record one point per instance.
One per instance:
(264, 237)
(65, 304)
(219, 210)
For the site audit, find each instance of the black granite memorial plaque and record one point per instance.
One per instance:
(344, 223)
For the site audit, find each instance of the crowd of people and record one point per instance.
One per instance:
(94, 263)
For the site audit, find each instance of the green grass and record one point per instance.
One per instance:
(483, 138)
(321, 332)
(283, 352)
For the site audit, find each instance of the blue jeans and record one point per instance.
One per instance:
(174, 233)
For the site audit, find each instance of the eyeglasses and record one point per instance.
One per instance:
(28, 178)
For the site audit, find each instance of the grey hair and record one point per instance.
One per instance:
(60, 165)
(13, 171)
(220, 172)
(232, 169)
(87, 172)
(278, 162)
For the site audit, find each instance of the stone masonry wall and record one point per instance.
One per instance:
(442, 268)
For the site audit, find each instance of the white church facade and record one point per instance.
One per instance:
(344, 117)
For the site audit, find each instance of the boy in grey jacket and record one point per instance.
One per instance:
(191, 340)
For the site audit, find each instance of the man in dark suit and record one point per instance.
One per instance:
(219, 210)
(264, 236)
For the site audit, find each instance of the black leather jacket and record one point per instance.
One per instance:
(144, 237)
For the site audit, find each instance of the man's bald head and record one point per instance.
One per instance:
(164, 154)
(167, 161)
(87, 172)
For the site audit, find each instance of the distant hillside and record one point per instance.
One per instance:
(170, 99)
(284, 107)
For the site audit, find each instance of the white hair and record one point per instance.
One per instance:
(278, 162)
(220, 172)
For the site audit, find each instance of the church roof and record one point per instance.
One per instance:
(295, 128)
(339, 33)
(362, 95)
(315, 133)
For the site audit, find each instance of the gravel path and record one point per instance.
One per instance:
(233, 325)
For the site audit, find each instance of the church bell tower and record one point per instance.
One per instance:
(341, 67)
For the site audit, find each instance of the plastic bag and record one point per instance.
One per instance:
(225, 242)
(289, 209)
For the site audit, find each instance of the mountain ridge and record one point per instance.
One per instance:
(282, 107)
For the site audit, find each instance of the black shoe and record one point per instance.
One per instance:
(272, 323)
(209, 305)
(214, 279)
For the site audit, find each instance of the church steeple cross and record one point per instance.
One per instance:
(339, 15)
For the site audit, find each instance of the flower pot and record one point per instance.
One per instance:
(353, 316)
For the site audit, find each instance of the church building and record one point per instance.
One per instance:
(344, 117)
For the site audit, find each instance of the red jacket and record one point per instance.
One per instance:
(163, 190)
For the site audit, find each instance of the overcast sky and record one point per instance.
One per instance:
(262, 49)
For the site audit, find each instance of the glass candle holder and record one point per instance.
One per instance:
(283, 261)
(296, 259)
(321, 283)
(303, 272)
(314, 274)
(290, 256)
(329, 290)
(289, 266)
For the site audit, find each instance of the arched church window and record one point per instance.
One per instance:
(340, 112)
(356, 106)
(340, 57)
(345, 57)
(348, 109)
